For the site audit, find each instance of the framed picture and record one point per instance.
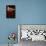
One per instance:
(33, 32)
(10, 11)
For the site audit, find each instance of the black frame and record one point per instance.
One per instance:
(13, 15)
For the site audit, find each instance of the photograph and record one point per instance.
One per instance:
(10, 11)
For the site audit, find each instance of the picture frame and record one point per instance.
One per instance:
(10, 11)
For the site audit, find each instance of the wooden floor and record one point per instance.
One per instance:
(30, 43)
(7, 45)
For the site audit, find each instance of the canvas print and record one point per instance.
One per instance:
(10, 11)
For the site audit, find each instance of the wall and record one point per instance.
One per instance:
(6, 25)
(31, 11)
(27, 12)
